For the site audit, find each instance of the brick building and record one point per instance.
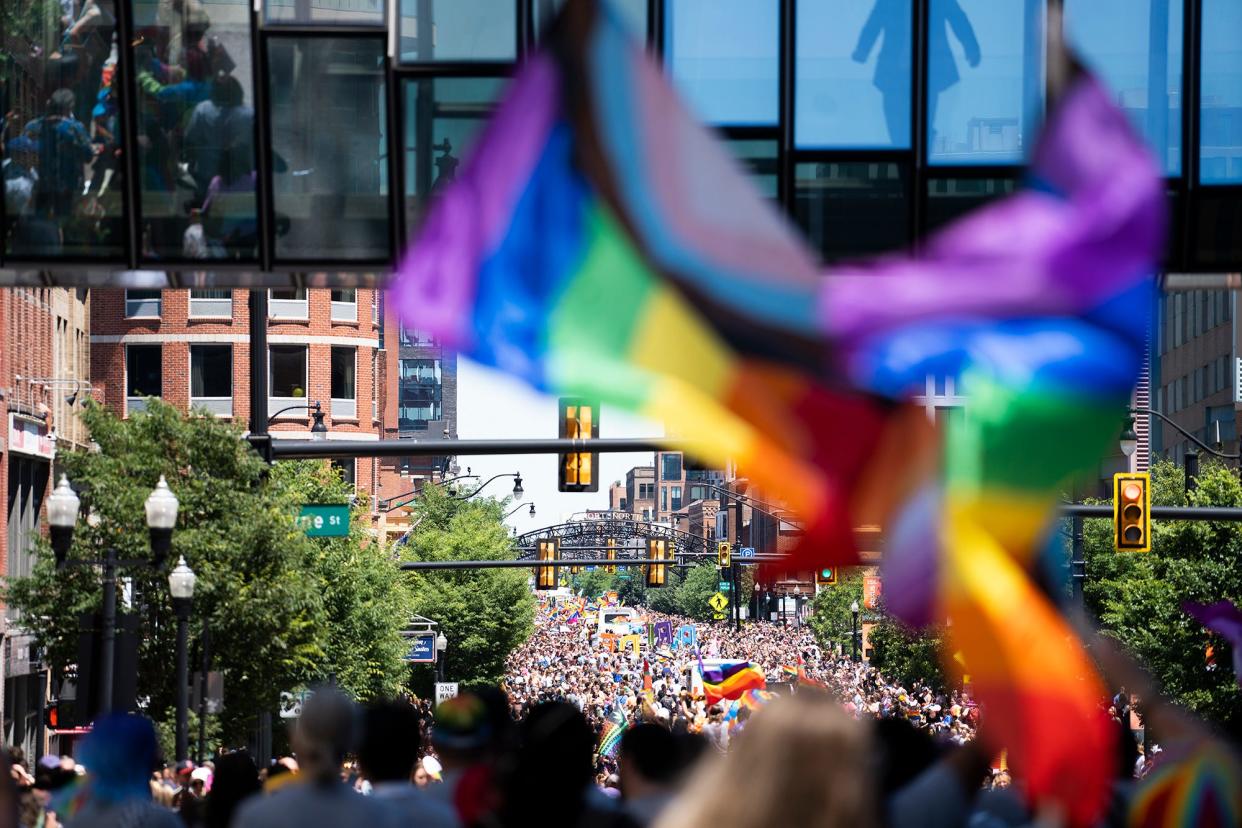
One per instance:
(44, 368)
(191, 348)
(640, 492)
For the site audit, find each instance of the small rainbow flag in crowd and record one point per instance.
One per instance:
(1196, 785)
(730, 680)
(610, 739)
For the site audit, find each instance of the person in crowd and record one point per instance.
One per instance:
(120, 753)
(649, 765)
(387, 756)
(321, 739)
(802, 762)
(65, 148)
(236, 778)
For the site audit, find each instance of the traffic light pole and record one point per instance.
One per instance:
(1078, 563)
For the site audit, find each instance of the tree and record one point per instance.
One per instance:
(484, 613)
(831, 618)
(907, 655)
(284, 610)
(700, 583)
(592, 583)
(1137, 597)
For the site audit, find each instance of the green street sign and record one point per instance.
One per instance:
(724, 586)
(325, 521)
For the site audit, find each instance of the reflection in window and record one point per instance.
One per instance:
(458, 30)
(853, 74)
(144, 375)
(336, 12)
(948, 199)
(1220, 120)
(211, 302)
(211, 378)
(723, 56)
(288, 373)
(675, 498)
(143, 303)
(761, 157)
(197, 129)
(670, 466)
(420, 394)
(985, 79)
(344, 382)
(443, 114)
(852, 209)
(633, 15)
(329, 147)
(411, 337)
(1135, 46)
(61, 133)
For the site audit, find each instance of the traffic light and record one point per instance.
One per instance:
(1132, 512)
(547, 576)
(51, 716)
(657, 549)
(611, 569)
(579, 420)
(826, 576)
(724, 556)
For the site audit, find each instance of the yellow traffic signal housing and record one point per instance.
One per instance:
(546, 577)
(611, 569)
(657, 550)
(826, 576)
(1132, 512)
(578, 420)
(724, 555)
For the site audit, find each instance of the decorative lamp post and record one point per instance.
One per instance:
(518, 491)
(854, 636)
(441, 648)
(62, 516)
(181, 584)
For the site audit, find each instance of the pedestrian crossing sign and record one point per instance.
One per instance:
(718, 602)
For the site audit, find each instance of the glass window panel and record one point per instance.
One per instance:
(1220, 119)
(344, 386)
(853, 74)
(346, 467)
(196, 167)
(670, 466)
(633, 15)
(1217, 230)
(288, 370)
(949, 198)
(1135, 46)
(723, 56)
(344, 295)
(61, 135)
(985, 79)
(852, 209)
(443, 114)
(329, 148)
(458, 30)
(144, 371)
(761, 158)
(335, 12)
(211, 371)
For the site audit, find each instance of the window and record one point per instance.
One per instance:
(951, 198)
(853, 70)
(328, 127)
(419, 393)
(344, 385)
(852, 209)
(375, 384)
(461, 30)
(646, 515)
(646, 491)
(633, 15)
(670, 466)
(1220, 94)
(211, 378)
(143, 304)
(664, 498)
(411, 337)
(211, 303)
(335, 12)
(144, 375)
(985, 79)
(288, 303)
(196, 161)
(761, 158)
(288, 375)
(346, 467)
(675, 498)
(723, 56)
(345, 305)
(1135, 46)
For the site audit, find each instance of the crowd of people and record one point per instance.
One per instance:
(583, 734)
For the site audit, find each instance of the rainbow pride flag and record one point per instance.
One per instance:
(730, 680)
(610, 738)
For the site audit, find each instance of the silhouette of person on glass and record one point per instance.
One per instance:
(892, 68)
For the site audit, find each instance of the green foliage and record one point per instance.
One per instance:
(1137, 596)
(594, 582)
(284, 610)
(484, 613)
(907, 655)
(831, 619)
(701, 583)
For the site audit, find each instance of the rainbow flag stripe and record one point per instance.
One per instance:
(730, 680)
(610, 739)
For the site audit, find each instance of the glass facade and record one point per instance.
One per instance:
(420, 394)
(868, 122)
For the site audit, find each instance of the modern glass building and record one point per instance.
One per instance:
(241, 142)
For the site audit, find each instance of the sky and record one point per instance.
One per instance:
(491, 405)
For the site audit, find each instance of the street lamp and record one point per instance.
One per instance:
(318, 431)
(161, 511)
(854, 635)
(518, 491)
(517, 509)
(1129, 440)
(181, 585)
(441, 647)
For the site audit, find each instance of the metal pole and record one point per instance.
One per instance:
(1078, 564)
(259, 436)
(737, 597)
(1192, 470)
(854, 637)
(202, 696)
(326, 449)
(108, 651)
(182, 608)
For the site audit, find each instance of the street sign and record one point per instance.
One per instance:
(291, 703)
(724, 586)
(422, 649)
(718, 616)
(746, 552)
(718, 602)
(325, 520)
(445, 690)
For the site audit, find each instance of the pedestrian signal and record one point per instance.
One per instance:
(724, 557)
(1132, 512)
(826, 576)
(546, 577)
(657, 550)
(51, 716)
(579, 420)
